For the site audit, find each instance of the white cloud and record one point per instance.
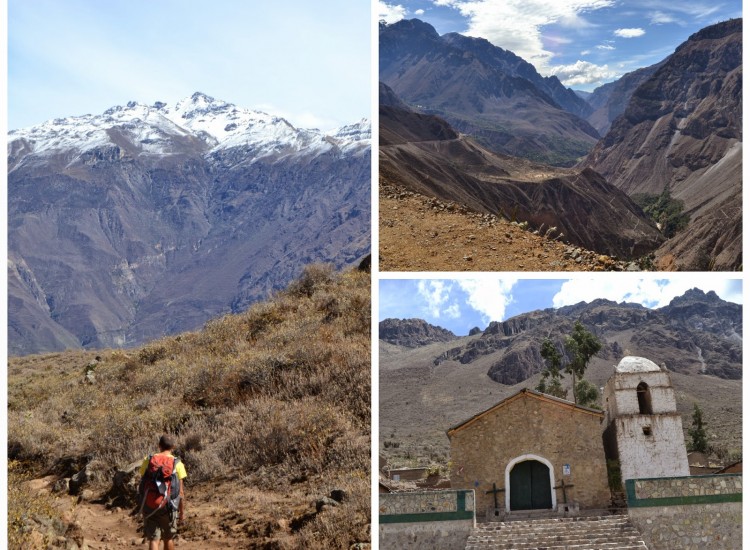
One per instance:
(419, 12)
(582, 72)
(651, 293)
(605, 47)
(585, 52)
(453, 311)
(435, 294)
(629, 33)
(488, 297)
(390, 13)
(517, 25)
(661, 18)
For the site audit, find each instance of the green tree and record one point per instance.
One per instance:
(586, 394)
(550, 382)
(664, 210)
(581, 346)
(697, 433)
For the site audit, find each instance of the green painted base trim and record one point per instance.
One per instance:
(432, 516)
(635, 502)
(681, 501)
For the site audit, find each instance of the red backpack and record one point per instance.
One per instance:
(160, 486)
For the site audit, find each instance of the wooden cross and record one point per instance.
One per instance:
(494, 492)
(563, 486)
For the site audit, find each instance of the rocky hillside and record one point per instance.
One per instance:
(411, 333)
(150, 219)
(697, 338)
(609, 100)
(682, 131)
(422, 154)
(420, 233)
(485, 91)
(695, 334)
(270, 410)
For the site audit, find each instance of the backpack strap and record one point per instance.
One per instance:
(143, 477)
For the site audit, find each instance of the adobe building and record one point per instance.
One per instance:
(518, 454)
(644, 429)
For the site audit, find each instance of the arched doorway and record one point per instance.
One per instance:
(530, 480)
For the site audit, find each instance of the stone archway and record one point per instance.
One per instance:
(529, 480)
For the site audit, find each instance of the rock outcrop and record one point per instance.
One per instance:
(682, 131)
(696, 333)
(412, 333)
(610, 100)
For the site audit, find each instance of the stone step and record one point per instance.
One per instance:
(495, 545)
(541, 525)
(521, 531)
(518, 526)
(640, 546)
(572, 543)
(579, 533)
(530, 518)
(542, 541)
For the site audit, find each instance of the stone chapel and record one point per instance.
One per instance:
(533, 451)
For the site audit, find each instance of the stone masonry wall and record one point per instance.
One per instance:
(690, 513)
(692, 486)
(440, 520)
(690, 527)
(482, 449)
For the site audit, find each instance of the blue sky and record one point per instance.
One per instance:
(584, 42)
(462, 304)
(307, 61)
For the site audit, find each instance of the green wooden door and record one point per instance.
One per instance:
(529, 486)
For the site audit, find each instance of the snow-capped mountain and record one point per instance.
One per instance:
(162, 129)
(151, 219)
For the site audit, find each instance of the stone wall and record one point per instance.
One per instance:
(685, 487)
(441, 520)
(690, 513)
(531, 426)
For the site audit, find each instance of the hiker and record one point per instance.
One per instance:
(162, 495)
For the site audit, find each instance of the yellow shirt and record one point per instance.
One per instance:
(181, 472)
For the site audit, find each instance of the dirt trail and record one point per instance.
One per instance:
(206, 525)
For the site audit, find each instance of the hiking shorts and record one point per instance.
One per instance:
(160, 526)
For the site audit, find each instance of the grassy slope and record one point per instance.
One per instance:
(277, 398)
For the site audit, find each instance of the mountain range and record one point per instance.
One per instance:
(673, 130)
(485, 91)
(431, 382)
(148, 220)
(423, 153)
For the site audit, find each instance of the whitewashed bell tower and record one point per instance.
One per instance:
(644, 429)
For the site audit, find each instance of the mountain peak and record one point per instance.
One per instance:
(412, 333)
(414, 25)
(201, 97)
(696, 295)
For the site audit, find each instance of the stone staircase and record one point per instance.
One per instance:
(577, 533)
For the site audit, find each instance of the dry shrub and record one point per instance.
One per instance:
(313, 278)
(344, 525)
(25, 509)
(279, 393)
